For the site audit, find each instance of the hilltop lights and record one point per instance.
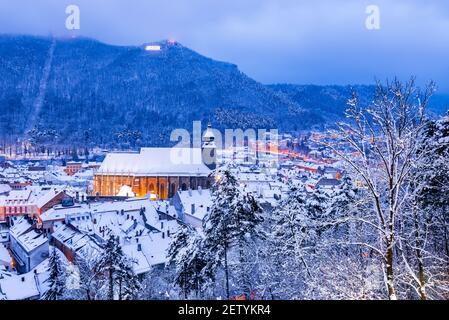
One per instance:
(153, 48)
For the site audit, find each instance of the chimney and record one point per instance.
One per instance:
(23, 279)
(193, 208)
(168, 233)
(162, 225)
(139, 247)
(77, 196)
(163, 235)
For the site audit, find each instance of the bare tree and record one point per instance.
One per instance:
(383, 145)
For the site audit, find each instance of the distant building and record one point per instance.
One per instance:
(73, 168)
(330, 173)
(326, 183)
(19, 185)
(37, 168)
(4, 189)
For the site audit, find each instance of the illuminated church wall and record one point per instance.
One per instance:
(163, 187)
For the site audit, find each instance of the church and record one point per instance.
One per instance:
(157, 172)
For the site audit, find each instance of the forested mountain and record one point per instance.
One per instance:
(81, 91)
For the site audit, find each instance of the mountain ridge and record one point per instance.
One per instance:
(108, 95)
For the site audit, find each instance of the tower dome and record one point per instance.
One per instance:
(209, 149)
(209, 134)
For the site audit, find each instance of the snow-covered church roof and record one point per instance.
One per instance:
(156, 162)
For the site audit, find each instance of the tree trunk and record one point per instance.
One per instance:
(120, 289)
(422, 279)
(390, 273)
(111, 285)
(226, 269)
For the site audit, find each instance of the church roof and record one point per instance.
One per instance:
(156, 162)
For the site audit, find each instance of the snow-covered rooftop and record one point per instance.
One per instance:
(25, 286)
(198, 200)
(20, 287)
(156, 162)
(28, 238)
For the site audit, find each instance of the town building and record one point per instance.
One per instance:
(193, 205)
(28, 246)
(144, 229)
(31, 201)
(28, 286)
(72, 168)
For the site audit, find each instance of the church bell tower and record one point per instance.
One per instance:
(209, 149)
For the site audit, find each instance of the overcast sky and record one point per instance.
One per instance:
(319, 42)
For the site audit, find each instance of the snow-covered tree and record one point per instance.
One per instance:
(186, 253)
(127, 281)
(290, 232)
(384, 136)
(424, 245)
(90, 277)
(231, 223)
(56, 279)
(121, 280)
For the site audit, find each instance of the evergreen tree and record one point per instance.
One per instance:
(316, 210)
(231, 221)
(56, 280)
(111, 261)
(247, 234)
(90, 274)
(186, 253)
(289, 234)
(341, 208)
(127, 280)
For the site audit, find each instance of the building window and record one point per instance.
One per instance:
(184, 187)
(151, 187)
(162, 191)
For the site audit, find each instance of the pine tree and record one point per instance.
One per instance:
(433, 166)
(111, 262)
(289, 234)
(232, 219)
(341, 208)
(90, 276)
(56, 279)
(246, 234)
(186, 254)
(317, 210)
(427, 224)
(128, 282)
